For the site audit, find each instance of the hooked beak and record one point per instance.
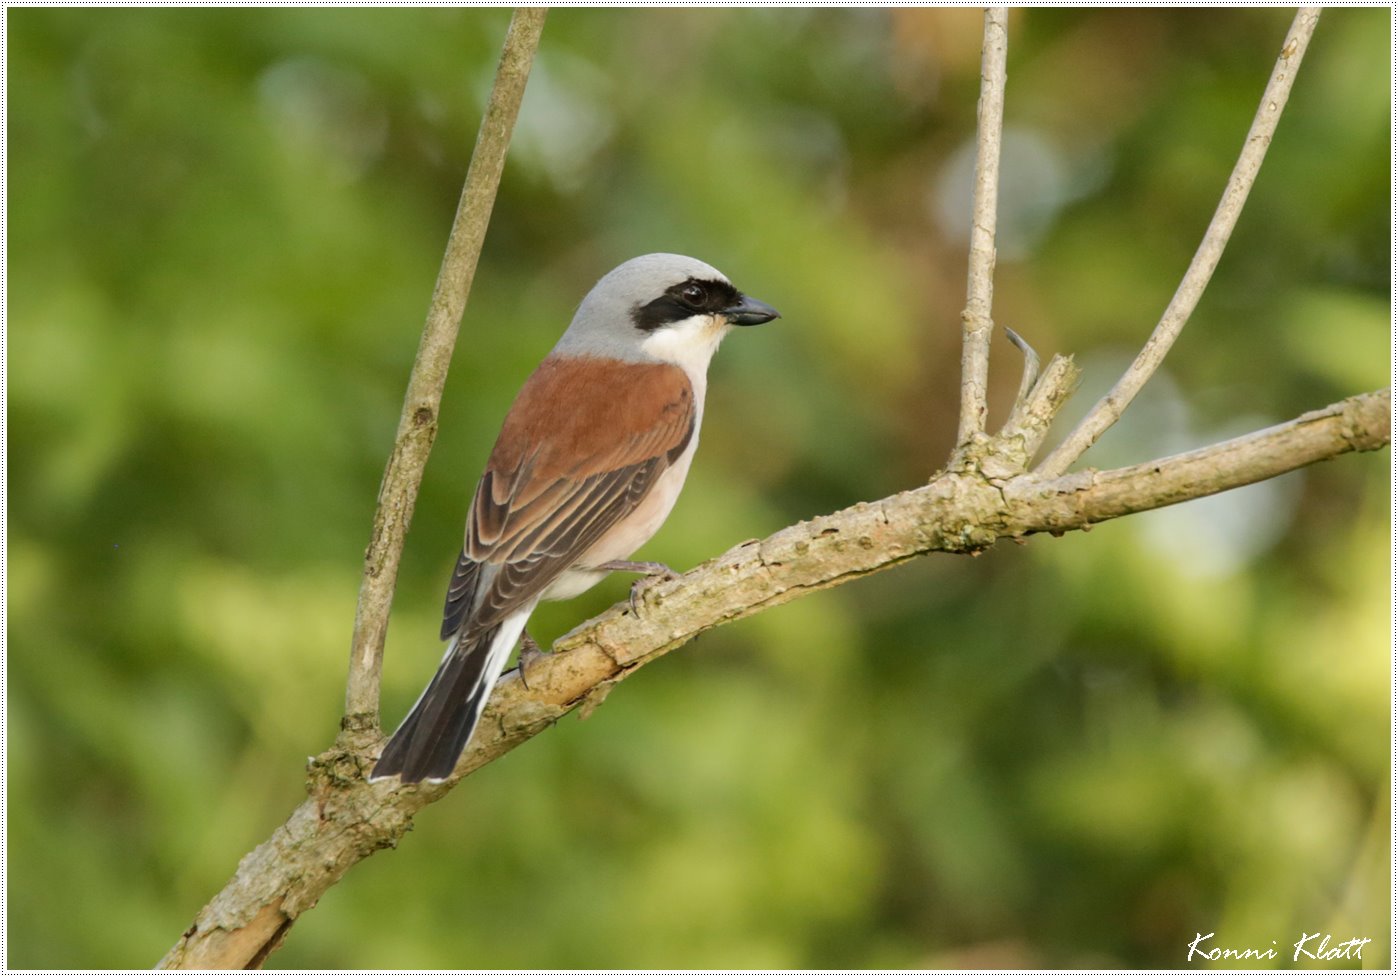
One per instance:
(750, 312)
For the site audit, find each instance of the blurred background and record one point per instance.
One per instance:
(224, 227)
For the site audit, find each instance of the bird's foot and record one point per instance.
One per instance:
(654, 573)
(529, 655)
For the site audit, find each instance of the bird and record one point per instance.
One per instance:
(588, 464)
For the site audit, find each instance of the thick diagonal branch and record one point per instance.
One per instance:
(956, 512)
(346, 819)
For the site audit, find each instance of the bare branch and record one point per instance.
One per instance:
(954, 513)
(980, 278)
(248, 919)
(1108, 410)
(1028, 424)
(345, 819)
(1074, 501)
(417, 427)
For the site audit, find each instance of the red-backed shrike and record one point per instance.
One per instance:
(588, 464)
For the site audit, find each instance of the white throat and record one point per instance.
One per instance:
(689, 344)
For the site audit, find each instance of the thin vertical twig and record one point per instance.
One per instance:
(417, 427)
(1109, 409)
(980, 285)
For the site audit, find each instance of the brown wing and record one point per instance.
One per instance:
(568, 465)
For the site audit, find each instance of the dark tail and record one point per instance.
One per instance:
(430, 741)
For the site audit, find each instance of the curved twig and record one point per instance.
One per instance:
(1031, 364)
(1109, 409)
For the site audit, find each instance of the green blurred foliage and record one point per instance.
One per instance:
(223, 230)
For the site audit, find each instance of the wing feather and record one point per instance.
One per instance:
(568, 466)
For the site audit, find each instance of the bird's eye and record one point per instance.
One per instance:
(692, 295)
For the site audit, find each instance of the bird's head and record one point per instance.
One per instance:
(664, 307)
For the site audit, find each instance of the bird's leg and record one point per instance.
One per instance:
(649, 568)
(653, 572)
(529, 654)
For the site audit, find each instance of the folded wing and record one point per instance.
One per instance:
(565, 469)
